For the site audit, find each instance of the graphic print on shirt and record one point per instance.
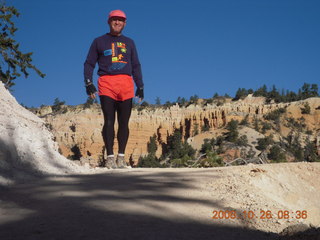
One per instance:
(117, 52)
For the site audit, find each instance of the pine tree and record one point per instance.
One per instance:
(158, 101)
(206, 146)
(57, 104)
(306, 91)
(152, 145)
(261, 92)
(306, 108)
(276, 154)
(314, 90)
(233, 134)
(194, 99)
(290, 96)
(310, 152)
(274, 94)
(12, 61)
(240, 94)
(176, 148)
(150, 160)
(181, 101)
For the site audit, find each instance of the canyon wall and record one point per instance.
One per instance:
(78, 130)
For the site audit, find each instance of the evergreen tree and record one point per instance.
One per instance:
(256, 124)
(212, 160)
(276, 154)
(314, 90)
(242, 141)
(194, 98)
(168, 104)
(290, 96)
(275, 114)
(265, 126)
(306, 108)
(152, 145)
(57, 104)
(145, 104)
(232, 135)
(12, 61)
(306, 91)
(176, 148)
(295, 146)
(261, 92)
(150, 160)
(299, 95)
(240, 94)
(274, 94)
(263, 143)
(310, 152)
(250, 91)
(207, 145)
(174, 143)
(181, 101)
(158, 101)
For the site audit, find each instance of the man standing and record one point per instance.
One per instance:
(118, 66)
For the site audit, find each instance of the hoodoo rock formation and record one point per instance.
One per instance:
(78, 130)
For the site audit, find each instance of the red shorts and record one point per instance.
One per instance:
(118, 87)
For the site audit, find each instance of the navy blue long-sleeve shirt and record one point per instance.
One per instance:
(115, 55)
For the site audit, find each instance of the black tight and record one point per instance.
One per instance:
(109, 108)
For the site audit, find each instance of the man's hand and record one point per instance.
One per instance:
(139, 94)
(91, 90)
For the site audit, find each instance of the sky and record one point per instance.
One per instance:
(185, 47)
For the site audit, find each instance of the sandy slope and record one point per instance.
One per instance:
(27, 148)
(61, 200)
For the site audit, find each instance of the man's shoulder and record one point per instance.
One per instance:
(127, 38)
(102, 37)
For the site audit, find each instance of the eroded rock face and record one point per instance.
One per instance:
(78, 131)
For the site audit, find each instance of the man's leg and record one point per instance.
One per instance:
(123, 113)
(108, 106)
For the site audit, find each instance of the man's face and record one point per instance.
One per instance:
(116, 24)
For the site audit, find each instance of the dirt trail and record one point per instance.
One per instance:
(164, 204)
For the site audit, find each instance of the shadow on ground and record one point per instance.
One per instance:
(113, 205)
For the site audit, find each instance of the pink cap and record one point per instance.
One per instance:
(117, 13)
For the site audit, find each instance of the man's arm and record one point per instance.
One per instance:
(136, 67)
(136, 73)
(91, 61)
(89, 66)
